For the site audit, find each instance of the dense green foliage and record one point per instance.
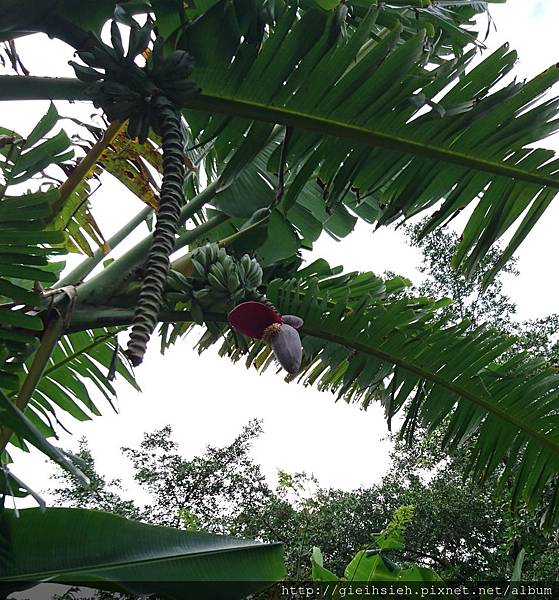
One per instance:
(258, 127)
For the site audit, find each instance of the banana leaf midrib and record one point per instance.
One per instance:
(114, 317)
(251, 109)
(15, 87)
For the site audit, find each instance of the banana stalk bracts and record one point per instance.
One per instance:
(262, 322)
(149, 97)
(170, 203)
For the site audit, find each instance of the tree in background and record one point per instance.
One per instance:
(207, 492)
(463, 532)
(469, 298)
(475, 301)
(100, 494)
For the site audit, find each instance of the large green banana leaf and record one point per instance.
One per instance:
(376, 123)
(104, 551)
(384, 123)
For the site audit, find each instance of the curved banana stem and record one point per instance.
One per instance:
(88, 264)
(103, 286)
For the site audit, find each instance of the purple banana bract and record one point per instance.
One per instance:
(260, 321)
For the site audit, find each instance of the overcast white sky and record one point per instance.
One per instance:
(207, 399)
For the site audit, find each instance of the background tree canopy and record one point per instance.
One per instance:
(463, 532)
(244, 147)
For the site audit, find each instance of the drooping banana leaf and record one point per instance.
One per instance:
(32, 232)
(86, 356)
(373, 120)
(364, 344)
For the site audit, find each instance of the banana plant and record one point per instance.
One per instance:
(297, 119)
(374, 563)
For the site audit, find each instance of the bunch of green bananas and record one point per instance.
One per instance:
(218, 281)
(125, 90)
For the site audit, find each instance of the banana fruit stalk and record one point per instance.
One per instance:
(262, 322)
